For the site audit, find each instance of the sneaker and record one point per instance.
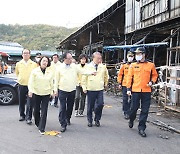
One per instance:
(76, 113)
(21, 118)
(41, 132)
(131, 124)
(97, 123)
(62, 129)
(68, 122)
(142, 133)
(29, 122)
(55, 105)
(81, 114)
(89, 124)
(126, 116)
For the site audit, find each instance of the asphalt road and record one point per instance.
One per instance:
(112, 137)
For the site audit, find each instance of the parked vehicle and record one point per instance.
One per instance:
(8, 90)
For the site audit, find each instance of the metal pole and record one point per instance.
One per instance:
(177, 43)
(90, 42)
(165, 103)
(98, 28)
(125, 50)
(171, 41)
(154, 54)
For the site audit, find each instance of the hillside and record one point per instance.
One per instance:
(35, 37)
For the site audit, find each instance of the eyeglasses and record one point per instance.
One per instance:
(69, 58)
(26, 53)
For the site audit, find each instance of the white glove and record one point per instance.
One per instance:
(150, 84)
(129, 93)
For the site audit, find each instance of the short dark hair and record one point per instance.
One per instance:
(38, 54)
(141, 49)
(64, 56)
(28, 50)
(83, 56)
(55, 55)
(49, 62)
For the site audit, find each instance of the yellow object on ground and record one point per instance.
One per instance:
(52, 133)
(107, 106)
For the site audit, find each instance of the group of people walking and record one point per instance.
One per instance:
(70, 84)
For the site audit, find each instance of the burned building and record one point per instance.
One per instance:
(149, 21)
(105, 29)
(128, 23)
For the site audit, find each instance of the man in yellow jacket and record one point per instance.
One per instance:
(55, 64)
(65, 88)
(23, 70)
(94, 85)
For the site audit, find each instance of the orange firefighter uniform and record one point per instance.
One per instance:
(139, 75)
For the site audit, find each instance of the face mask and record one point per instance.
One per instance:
(130, 59)
(138, 58)
(37, 59)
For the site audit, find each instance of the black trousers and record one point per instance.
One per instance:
(55, 100)
(25, 102)
(29, 108)
(145, 98)
(96, 103)
(80, 99)
(126, 101)
(40, 110)
(23, 99)
(66, 106)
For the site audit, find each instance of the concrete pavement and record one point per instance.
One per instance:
(113, 137)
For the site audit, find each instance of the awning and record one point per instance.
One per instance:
(4, 54)
(106, 48)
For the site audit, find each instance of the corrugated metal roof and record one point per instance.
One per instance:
(106, 14)
(136, 46)
(17, 51)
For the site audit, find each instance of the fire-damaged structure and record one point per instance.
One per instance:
(135, 22)
(127, 23)
(105, 29)
(149, 21)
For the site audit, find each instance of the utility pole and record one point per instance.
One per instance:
(90, 42)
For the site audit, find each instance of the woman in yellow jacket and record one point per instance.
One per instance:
(41, 88)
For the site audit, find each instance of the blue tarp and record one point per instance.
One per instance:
(111, 48)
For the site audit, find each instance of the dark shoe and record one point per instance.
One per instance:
(55, 105)
(41, 132)
(131, 124)
(89, 124)
(29, 122)
(126, 116)
(142, 133)
(68, 122)
(76, 113)
(21, 118)
(62, 129)
(97, 123)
